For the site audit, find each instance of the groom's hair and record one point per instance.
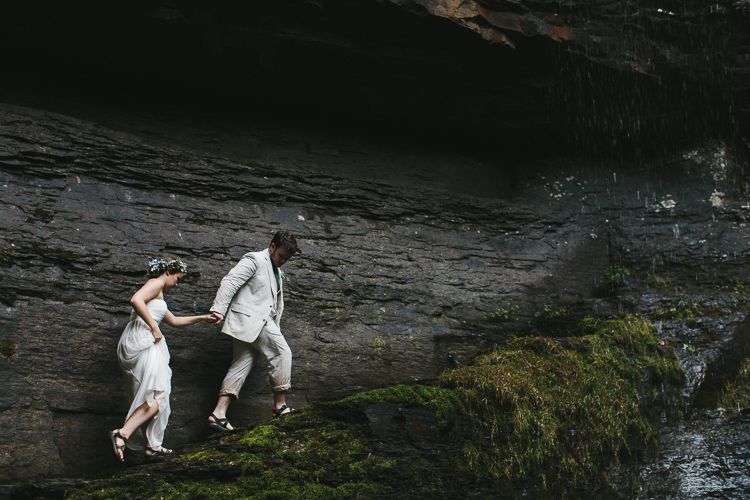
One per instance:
(285, 239)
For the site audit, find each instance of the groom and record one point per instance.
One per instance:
(251, 299)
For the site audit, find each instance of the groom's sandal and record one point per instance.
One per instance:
(219, 424)
(119, 450)
(161, 453)
(284, 410)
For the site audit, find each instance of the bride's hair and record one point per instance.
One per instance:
(157, 267)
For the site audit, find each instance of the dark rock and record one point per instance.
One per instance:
(419, 164)
(403, 289)
(705, 458)
(507, 78)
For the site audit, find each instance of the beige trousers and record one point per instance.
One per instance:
(272, 345)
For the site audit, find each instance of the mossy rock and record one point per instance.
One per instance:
(539, 416)
(7, 348)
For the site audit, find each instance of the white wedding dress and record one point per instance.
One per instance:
(148, 378)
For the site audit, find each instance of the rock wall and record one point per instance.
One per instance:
(633, 35)
(406, 253)
(426, 172)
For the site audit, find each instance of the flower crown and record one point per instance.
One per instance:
(158, 266)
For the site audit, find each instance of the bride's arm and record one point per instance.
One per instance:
(173, 320)
(149, 291)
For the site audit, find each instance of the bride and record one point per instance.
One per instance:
(144, 360)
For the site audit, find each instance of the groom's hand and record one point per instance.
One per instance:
(218, 318)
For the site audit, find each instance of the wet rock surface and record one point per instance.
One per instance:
(705, 458)
(710, 345)
(420, 167)
(396, 283)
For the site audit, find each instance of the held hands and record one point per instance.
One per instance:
(207, 317)
(216, 318)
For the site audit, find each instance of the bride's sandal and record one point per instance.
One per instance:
(152, 454)
(119, 450)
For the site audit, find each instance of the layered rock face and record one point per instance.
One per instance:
(415, 164)
(397, 281)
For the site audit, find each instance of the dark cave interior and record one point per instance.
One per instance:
(352, 68)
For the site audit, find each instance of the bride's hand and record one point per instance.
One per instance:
(218, 318)
(157, 334)
(207, 317)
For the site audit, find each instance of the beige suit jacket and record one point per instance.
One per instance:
(247, 295)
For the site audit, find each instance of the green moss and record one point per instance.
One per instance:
(735, 396)
(267, 437)
(549, 405)
(293, 459)
(659, 282)
(446, 403)
(542, 408)
(333, 454)
(734, 286)
(7, 348)
(717, 311)
(615, 276)
(682, 311)
(555, 313)
(509, 313)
